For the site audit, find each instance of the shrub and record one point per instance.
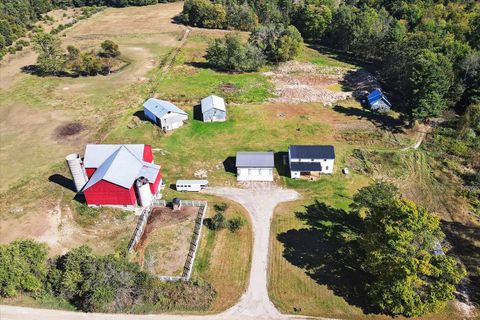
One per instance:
(221, 207)
(236, 223)
(22, 267)
(109, 49)
(218, 221)
(230, 54)
(278, 43)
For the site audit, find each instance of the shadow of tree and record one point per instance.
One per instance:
(35, 70)
(382, 121)
(329, 253)
(465, 241)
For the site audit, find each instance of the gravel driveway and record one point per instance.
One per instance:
(260, 199)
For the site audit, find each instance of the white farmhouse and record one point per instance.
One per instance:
(213, 109)
(165, 114)
(255, 166)
(310, 161)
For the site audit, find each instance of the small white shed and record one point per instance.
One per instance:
(190, 185)
(213, 109)
(255, 166)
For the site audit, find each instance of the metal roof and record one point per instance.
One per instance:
(202, 182)
(160, 107)
(213, 102)
(312, 152)
(96, 154)
(122, 168)
(305, 166)
(255, 160)
(375, 96)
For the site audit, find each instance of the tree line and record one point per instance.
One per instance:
(93, 283)
(426, 52)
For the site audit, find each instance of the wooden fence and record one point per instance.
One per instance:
(197, 232)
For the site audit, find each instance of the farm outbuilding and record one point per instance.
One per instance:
(122, 175)
(165, 114)
(377, 101)
(255, 166)
(309, 161)
(213, 109)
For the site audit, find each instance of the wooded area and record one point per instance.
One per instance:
(425, 52)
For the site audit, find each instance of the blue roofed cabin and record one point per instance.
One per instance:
(165, 114)
(377, 101)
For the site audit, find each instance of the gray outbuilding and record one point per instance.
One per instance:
(255, 166)
(213, 109)
(165, 114)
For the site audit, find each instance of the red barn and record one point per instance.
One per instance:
(113, 171)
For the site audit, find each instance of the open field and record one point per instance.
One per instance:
(34, 107)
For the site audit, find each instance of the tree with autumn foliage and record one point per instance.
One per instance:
(410, 277)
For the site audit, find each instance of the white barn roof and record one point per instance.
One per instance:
(213, 102)
(96, 154)
(255, 160)
(122, 167)
(161, 107)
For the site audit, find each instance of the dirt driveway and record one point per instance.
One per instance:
(260, 199)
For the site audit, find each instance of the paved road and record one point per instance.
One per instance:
(260, 200)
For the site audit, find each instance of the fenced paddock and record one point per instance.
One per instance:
(194, 242)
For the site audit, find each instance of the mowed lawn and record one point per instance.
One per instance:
(224, 257)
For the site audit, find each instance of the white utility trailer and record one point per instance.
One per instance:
(190, 185)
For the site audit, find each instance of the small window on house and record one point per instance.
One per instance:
(326, 168)
(324, 159)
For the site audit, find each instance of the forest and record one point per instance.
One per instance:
(426, 52)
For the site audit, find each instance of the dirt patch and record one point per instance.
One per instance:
(303, 82)
(228, 87)
(68, 130)
(164, 245)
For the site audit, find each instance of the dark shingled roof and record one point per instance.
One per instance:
(305, 166)
(312, 152)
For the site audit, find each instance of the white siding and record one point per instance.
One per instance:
(254, 174)
(327, 166)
